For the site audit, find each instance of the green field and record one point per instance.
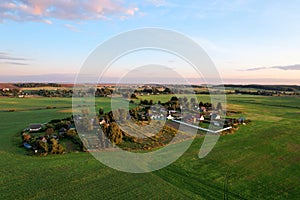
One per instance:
(260, 161)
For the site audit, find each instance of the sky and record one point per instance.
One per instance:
(249, 41)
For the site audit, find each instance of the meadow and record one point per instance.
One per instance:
(260, 161)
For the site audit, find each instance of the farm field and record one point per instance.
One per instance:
(260, 161)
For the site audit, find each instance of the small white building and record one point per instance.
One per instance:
(170, 117)
(102, 122)
(201, 118)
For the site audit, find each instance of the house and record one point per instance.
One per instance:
(170, 117)
(157, 116)
(218, 117)
(201, 118)
(172, 112)
(102, 121)
(215, 116)
(35, 127)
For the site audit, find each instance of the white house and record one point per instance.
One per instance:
(170, 117)
(201, 118)
(102, 122)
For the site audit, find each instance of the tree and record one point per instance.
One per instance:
(133, 96)
(185, 99)
(71, 133)
(123, 114)
(56, 148)
(150, 102)
(49, 131)
(167, 91)
(189, 106)
(201, 104)
(193, 101)
(114, 133)
(116, 114)
(43, 147)
(174, 98)
(15, 92)
(101, 111)
(107, 91)
(145, 102)
(26, 136)
(219, 106)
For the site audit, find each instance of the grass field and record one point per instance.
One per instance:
(260, 161)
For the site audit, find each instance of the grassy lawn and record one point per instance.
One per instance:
(261, 160)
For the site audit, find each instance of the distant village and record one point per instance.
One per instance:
(23, 90)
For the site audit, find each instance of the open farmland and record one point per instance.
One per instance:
(260, 161)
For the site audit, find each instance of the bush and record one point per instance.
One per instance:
(26, 136)
(71, 133)
(54, 121)
(49, 131)
(56, 148)
(43, 148)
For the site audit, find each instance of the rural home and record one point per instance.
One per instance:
(35, 127)
(170, 117)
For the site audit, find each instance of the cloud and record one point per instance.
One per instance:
(255, 69)
(16, 63)
(72, 28)
(13, 60)
(6, 56)
(157, 3)
(287, 67)
(46, 10)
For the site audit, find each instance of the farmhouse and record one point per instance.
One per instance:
(35, 127)
(201, 119)
(170, 117)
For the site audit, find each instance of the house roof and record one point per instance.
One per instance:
(35, 126)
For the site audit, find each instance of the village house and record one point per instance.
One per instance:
(35, 127)
(170, 117)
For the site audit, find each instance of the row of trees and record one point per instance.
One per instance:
(265, 92)
(154, 90)
(51, 93)
(32, 85)
(103, 92)
(176, 103)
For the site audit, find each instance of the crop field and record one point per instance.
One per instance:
(260, 161)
